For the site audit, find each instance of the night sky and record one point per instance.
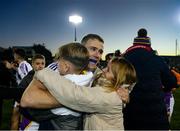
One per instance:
(25, 22)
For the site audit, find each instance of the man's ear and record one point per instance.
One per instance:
(66, 67)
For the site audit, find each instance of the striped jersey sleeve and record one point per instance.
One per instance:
(54, 66)
(23, 69)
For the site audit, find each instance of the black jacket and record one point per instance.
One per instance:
(147, 109)
(25, 82)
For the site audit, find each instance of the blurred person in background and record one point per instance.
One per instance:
(7, 76)
(22, 67)
(38, 63)
(146, 109)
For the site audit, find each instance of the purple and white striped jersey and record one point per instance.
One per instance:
(23, 69)
(54, 66)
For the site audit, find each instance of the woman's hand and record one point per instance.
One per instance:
(123, 94)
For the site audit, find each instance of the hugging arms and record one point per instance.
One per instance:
(37, 95)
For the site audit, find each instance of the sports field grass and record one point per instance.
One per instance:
(175, 123)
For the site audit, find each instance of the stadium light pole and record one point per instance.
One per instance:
(75, 19)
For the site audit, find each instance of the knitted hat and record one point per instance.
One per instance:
(142, 38)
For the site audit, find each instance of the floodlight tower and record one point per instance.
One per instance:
(75, 19)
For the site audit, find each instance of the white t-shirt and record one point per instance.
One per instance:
(82, 80)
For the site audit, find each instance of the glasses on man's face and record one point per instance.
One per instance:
(94, 49)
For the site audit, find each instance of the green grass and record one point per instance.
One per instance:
(175, 121)
(6, 117)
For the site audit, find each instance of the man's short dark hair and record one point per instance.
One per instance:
(7, 54)
(20, 52)
(91, 36)
(37, 56)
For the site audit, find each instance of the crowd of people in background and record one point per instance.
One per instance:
(129, 90)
